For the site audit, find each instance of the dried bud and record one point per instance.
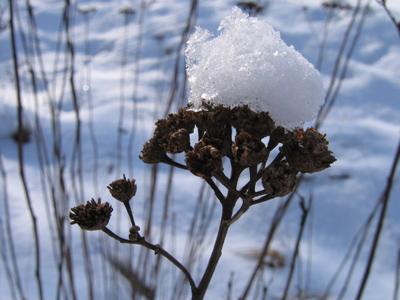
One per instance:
(248, 150)
(178, 141)
(171, 135)
(152, 152)
(307, 151)
(92, 216)
(259, 125)
(279, 179)
(134, 233)
(220, 138)
(204, 160)
(211, 117)
(123, 189)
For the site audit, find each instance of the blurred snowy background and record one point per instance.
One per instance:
(93, 78)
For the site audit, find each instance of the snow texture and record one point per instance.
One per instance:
(249, 64)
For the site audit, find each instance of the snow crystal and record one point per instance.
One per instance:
(249, 64)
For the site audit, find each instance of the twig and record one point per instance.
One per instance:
(296, 249)
(397, 276)
(213, 261)
(390, 14)
(274, 226)
(157, 250)
(10, 240)
(322, 113)
(385, 201)
(21, 152)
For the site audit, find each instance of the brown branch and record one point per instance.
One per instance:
(213, 261)
(305, 211)
(216, 190)
(390, 14)
(157, 250)
(21, 153)
(385, 201)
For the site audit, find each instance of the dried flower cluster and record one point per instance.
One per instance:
(239, 135)
(300, 151)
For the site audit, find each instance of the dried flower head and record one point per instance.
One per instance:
(248, 150)
(279, 179)
(92, 216)
(204, 160)
(178, 141)
(170, 135)
(123, 189)
(152, 152)
(258, 124)
(307, 151)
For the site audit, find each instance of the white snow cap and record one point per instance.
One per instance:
(249, 64)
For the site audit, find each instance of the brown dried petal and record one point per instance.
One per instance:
(178, 141)
(248, 150)
(152, 152)
(279, 179)
(307, 151)
(181, 124)
(204, 160)
(259, 125)
(123, 189)
(92, 216)
(220, 138)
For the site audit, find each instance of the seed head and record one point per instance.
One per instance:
(92, 216)
(307, 151)
(204, 160)
(123, 189)
(248, 150)
(279, 179)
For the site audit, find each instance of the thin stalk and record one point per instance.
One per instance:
(138, 55)
(390, 14)
(397, 276)
(322, 114)
(213, 261)
(297, 247)
(120, 129)
(21, 154)
(274, 226)
(157, 250)
(177, 66)
(379, 227)
(10, 239)
(76, 154)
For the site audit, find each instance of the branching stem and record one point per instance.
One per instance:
(157, 250)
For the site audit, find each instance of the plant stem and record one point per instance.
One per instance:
(157, 250)
(212, 263)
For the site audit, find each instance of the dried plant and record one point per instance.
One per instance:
(238, 136)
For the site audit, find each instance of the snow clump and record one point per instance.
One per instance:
(249, 64)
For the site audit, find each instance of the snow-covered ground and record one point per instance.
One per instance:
(363, 128)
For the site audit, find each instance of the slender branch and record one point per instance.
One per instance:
(213, 261)
(274, 226)
(21, 153)
(216, 190)
(385, 201)
(253, 178)
(169, 161)
(129, 211)
(390, 14)
(305, 211)
(220, 176)
(157, 250)
(262, 199)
